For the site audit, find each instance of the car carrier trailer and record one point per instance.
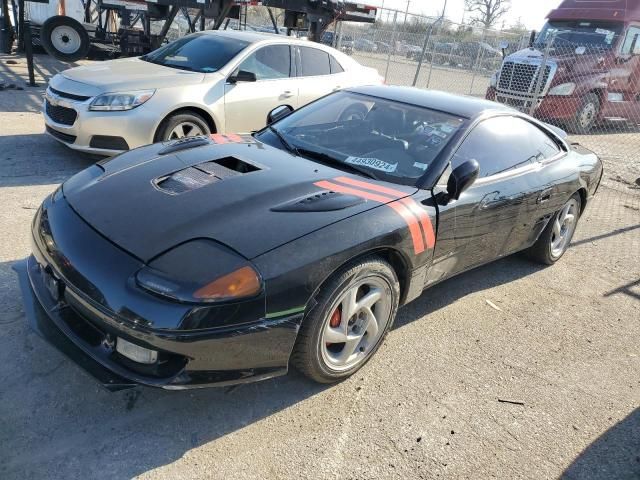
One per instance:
(124, 27)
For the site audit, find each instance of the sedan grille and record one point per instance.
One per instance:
(61, 115)
(522, 77)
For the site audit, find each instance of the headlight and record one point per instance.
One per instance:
(563, 89)
(119, 101)
(200, 271)
(494, 79)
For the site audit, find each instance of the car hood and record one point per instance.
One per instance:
(147, 202)
(120, 75)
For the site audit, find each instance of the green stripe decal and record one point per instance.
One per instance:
(283, 313)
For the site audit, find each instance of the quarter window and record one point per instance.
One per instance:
(631, 43)
(335, 66)
(503, 143)
(268, 63)
(314, 62)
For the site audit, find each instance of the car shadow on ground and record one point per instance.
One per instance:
(614, 454)
(72, 411)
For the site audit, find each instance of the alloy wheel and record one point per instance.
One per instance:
(185, 129)
(563, 228)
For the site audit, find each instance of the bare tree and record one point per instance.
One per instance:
(487, 12)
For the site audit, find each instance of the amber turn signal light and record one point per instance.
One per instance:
(240, 283)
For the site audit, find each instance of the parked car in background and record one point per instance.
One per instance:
(207, 82)
(228, 259)
(364, 45)
(346, 42)
(382, 47)
(591, 72)
(413, 52)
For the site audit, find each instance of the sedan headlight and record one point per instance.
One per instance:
(119, 101)
(201, 271)
(563, 89)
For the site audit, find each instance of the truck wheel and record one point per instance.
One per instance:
(65, 38)
(586, 116)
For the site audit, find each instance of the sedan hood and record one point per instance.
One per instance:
(121, 75)
(249, 196)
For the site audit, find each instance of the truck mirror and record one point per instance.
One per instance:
(503, 45)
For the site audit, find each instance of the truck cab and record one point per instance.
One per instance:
(583, 68)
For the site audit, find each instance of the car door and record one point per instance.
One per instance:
(315, 77)
(481, 225)
(248, 103)
(624, 79)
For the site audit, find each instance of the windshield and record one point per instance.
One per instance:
(578, 33)
(383, 139)
(199, 52)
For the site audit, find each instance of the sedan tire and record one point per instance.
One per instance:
(180, 125)
(556, 237)
(353, 312)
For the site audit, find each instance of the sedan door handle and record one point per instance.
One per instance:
(544, 196)
(287, 94)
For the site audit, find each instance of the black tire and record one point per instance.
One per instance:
(542, 251)
(307, 354)
(355, 111)
(171, 122)
(586, 116)
(54, 32)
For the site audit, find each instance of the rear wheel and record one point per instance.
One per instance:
(556, 237)
(353, 313)
(586, 116)
(65, 38)
(180, 125)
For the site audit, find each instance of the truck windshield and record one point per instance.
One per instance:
(593, 35)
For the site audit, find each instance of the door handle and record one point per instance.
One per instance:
(544, 196)
(287, 94)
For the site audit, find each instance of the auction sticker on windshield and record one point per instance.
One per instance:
(374, 163)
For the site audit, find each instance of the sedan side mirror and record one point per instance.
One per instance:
(242, 76)
(461, 178)
(278, 113)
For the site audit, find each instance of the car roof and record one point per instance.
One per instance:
(253, 36)
(459, 105)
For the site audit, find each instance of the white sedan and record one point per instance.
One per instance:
(207, 82)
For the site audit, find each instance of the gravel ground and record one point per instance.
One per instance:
(562, 345)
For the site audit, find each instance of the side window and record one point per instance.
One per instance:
(631, 43)
(502, 143)
(335, 66)
(268, 63)
(314, 62)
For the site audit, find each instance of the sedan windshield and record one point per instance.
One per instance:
(380, 138)
(199, 52)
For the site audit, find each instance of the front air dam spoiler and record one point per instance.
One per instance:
(40, 322)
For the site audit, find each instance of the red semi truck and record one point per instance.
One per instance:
(589, 55)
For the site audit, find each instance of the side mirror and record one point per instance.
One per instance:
(461, 178)
(278, 113)
(503, 45)
(242, 76)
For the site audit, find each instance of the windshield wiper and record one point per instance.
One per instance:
(284, 141)
(326, 158)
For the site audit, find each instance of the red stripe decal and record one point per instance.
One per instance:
(232, 137)
(216, 137)
(371, 186)
(412, 223)
(399, 208)
(425, 221)
(352, 191)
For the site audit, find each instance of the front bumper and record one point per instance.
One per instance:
(94, 303)
(136, 127)
(62, 326)
(549, 108)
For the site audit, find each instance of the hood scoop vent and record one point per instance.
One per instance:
(203, 174)
(325, 201)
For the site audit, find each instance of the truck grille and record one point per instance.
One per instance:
(522, 78)
(61, 115)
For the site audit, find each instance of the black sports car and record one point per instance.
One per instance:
(211, 261)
